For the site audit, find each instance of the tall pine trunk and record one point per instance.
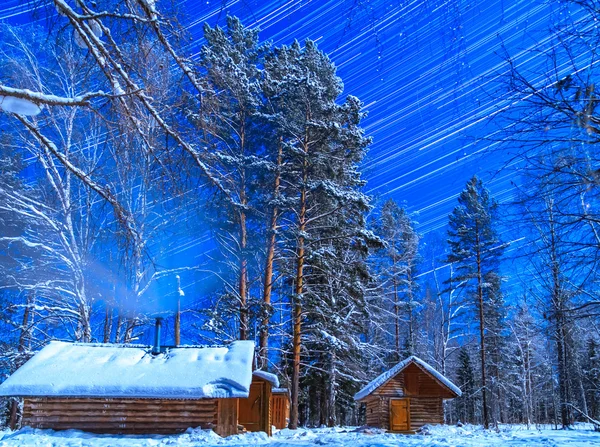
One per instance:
(299, 290)
(243, 286)
(268, 279)
(486, 420)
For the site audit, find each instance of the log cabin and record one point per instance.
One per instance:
(407, 397)
(136, 389)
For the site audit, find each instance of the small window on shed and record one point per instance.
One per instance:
(411, 383)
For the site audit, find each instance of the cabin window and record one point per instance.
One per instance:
(411, 383)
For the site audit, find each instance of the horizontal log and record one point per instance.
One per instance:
(110, 417)
(116, 407)
(126, 412)
(101, 410)
(130, 431)
(117, 402)
(114, 400)
(114, 419)
(112, 425)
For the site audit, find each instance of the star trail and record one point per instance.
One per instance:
(428, 72)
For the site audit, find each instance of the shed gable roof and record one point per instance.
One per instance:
(99, 370)
(426, 367)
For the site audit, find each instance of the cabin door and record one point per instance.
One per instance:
(400, 414)
(251, 408)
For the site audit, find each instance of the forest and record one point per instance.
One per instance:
(222, 188)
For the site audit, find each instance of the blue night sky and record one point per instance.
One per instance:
(430, 75)
(427, 72)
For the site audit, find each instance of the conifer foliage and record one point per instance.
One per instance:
(475, 250)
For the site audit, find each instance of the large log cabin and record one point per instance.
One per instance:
(407, 397)
(127, 389)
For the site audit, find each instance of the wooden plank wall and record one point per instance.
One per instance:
(227, 419)
(280, 408)
(428, 386)
(425, 410)
(120, 416)
(257, 418)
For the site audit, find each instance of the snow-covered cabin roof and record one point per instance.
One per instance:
(383, 378)
(269, 377)
(99, 370)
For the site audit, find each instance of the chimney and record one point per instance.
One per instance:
(157, 328)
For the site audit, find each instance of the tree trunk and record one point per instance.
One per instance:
(296, 343)
(243, 286)
(331, 391)
(268, 279)
(396, 313)
(486, 420)
(107, 324)
(119, 326)
(558, 314)
(297, 316)
(411, 329)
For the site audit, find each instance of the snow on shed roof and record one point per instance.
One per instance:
(269, 377)
(96, 370)
(383, 378)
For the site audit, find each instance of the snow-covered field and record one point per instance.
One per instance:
(468, 436)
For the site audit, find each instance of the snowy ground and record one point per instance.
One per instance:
(468, 436)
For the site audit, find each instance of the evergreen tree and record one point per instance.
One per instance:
(396, 265)
(475, 251)
(325, 208)
(465, 376)
(227, 119)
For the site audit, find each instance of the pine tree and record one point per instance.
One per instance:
(475, 250)
(231, 60)
(324, 207)
(396, 265)
(465, 376)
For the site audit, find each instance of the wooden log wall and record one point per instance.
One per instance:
(425, 410)
(394, 387)
(374, 411)
(119, 416)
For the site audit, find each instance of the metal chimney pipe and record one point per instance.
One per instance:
(157, 328)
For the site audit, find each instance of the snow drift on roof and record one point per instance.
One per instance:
(269, 377)
(87, 370)
(399, 367)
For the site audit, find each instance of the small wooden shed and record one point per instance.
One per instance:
(407, 397)
(255, 411)
(131, 390)
(280, 404)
